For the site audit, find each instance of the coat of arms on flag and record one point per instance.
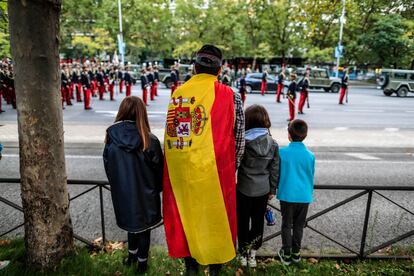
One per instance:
(184, 118)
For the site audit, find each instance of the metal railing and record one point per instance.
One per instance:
(363, 190)
(100, 185)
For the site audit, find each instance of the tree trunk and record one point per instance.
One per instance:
(34, 29)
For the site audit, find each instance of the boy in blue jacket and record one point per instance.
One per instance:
(297, 170)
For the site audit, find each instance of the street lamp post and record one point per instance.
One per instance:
(340, 48)
(120, 36)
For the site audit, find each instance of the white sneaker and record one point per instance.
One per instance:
(252, 259)
(243, 260)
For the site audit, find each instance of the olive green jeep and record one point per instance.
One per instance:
(396, 81)
(319, 79)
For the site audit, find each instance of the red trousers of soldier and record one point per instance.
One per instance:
(71, 87)
(279, 91)
(152, 92)
(291, 109)
(12, 95)
(144, 95)
(1, 95)
(111, 91)
(173, 87)
(121, 86)
(6, 94)
(156, 88)
(68, 96)
(263, 88)
(302, 100)
(93, 87)
(128, 90)
(63, 95)
(342, 95)
(87, 98)
(78, 92)
(101, 90)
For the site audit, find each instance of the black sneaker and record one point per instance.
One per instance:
(142, 267)
(131, 260)
(285, 259)
(296, 257)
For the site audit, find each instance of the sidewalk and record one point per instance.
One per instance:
(329, 138)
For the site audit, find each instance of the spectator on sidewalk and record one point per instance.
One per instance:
(257, 178)
(204, 143)
(134, 164)
(295, 190)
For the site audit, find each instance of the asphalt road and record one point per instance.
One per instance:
(368, 110)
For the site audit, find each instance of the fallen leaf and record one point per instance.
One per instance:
(239, 272)
(167, 273)
(5, 242)
(118, 273)
(337, 266)
(98, 241)
(313, 261)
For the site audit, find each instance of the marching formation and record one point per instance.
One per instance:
(81, 81)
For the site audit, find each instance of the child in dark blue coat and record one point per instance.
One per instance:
(134, 164)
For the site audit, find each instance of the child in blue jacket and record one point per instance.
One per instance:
(297, 170)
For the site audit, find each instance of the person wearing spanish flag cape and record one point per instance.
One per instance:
(204, 144)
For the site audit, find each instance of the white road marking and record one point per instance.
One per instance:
(382, 162)
(391, 129)
(365, 110)
(362, 156)
(341, 128)
(107, 112)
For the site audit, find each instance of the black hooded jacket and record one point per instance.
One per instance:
(135, 177)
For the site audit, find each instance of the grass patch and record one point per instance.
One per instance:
(84, 262)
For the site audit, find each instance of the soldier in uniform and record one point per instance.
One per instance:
(120, 79)
(344, 87)
(111, 83)
(304, 91)
(101, 83)
(86, 87)
(151, 80)
(3, 88)
(12, 91)
(156, 79)
(242, 87)
(128, 82)
(291, 96)
(264, 82)
(64, 88)
(280, 84)
(144, 86)
(92, 78)
(174, 81)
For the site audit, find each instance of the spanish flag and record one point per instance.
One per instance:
(199, 197)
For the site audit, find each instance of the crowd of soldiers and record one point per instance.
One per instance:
(295, 86)
(7, 91)
(81, 81)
